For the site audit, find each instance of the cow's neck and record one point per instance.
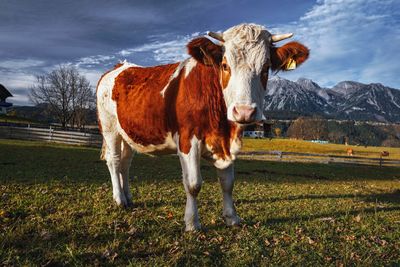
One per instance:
(201, 110)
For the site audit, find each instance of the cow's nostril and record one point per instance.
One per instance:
(252, 113)
(244, 113)
(235, 111)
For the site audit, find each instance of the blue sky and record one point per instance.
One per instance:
(349, 39)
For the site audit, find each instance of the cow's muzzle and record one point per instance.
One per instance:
(244, 114)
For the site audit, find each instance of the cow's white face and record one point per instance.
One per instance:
(244, 56)
(245, 66)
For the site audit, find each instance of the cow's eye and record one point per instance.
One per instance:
(225, 67)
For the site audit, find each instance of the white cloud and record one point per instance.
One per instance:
(92, 61)
(18, 81)
(349, 40)
(93, 75)
(20, 100)
(161, 51)
(20, 64)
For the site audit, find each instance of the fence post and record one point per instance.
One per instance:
(50, 134)
(380, 161)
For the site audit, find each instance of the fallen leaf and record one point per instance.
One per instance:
(326, 219)
(310, 240)
(110, 255)
(349, 237)
(354, 256)
(3, 213)
(45, 235)
(357, 218)
(379, 241)
(132, 231)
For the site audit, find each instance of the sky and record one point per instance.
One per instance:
(356, 40)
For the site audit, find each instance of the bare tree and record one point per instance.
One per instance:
(67, 94)
(308, 128)
(83, 101)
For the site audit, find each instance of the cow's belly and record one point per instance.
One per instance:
(164, 148)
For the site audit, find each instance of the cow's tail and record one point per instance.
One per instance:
(103, 152)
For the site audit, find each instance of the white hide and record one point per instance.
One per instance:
(188, 64)
(246, 51)
(192, 182)
(226, 179)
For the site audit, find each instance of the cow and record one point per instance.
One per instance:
(384, 153)
(350, 152)
(195, 108)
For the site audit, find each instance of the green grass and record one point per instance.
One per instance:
(289, 145)
(15, 119)
(56, 208)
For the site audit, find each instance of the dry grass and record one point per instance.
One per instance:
(289, 145)
(56, 209)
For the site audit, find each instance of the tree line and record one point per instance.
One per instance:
(341, 132)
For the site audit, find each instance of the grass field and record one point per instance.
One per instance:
(56, 209)
(309, 147)
(14, 119)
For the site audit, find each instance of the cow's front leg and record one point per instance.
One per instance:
(192, 182)
(226, 179)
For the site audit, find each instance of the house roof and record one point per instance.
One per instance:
(5, 104)
(4, 93)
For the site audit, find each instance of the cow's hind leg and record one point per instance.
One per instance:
(126, 159)
(113, 158)
(226, 179)
(192, 182)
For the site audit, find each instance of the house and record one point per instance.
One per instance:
(4, 93)
(258, 130)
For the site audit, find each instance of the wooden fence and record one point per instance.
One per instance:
(318, 158)
(51, 135)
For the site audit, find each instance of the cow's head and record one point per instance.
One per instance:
(245, 54)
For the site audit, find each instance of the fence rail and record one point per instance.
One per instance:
(51, 135)
(318, 158)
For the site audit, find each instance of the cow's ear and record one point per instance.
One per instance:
(205, 51)
(288, 56)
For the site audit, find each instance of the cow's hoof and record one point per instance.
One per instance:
(193, 227)
(232, 220)
(121, 200)
(129, 203)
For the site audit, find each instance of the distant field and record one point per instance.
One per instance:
(56, 209)
(309, 147)
(13, 119)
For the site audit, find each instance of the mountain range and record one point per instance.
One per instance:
(347, 100)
